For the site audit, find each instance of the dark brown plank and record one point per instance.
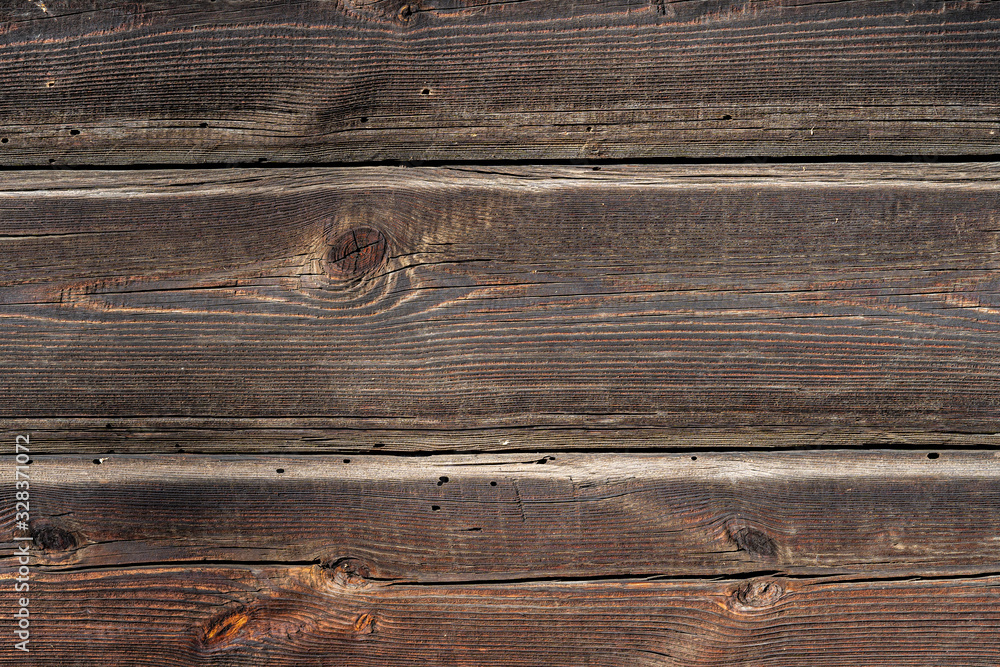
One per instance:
(138, 435)
(708, 297)
(181, 616)
(517, 516)
(114, 82)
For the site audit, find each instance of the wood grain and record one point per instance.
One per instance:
(308, 615)
(715, 297)
(520, 516)
(158, 82)
(180, 435)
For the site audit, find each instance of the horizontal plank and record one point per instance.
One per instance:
(180, 616)
(345, 435)
(164, 82)
(517, 516)
(826, 297)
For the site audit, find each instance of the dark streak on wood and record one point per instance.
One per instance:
(162, 82)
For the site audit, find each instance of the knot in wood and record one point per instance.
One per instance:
(53, 538)
(758, 593)
(356, 253)
(753, 541)
(348, 572)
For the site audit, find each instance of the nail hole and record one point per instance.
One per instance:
(347, 460)
(726, 117)
(364, 119)
(694, 458)
(108, 426)
(262, 159)
(493, 483)
(4, 140)
(589, 129)
(378, 445)
(97, 462)
(425, 91)
(933, 455)
(52, 160)
(49, 84)
(74, 132)
(435, 508)
(202, 125)
(280, 470)
(442, 481)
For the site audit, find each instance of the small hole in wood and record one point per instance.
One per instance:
(933, 455)
(378, 445)
(280, 470)
(442, 481)
(347, 460)
(726, 117)
(203, 125)
(364, 119)
(694, 458)
(493, 483)
(30, 461)
(74, 132)
(52, 160)
(108, 426)
(4, 140)
(97, 462)
(49, 84)
(425, 91)
(435, 508)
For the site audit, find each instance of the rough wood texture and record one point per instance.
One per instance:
(185, 435)
(308, 615)
(813, 297)
(127, 83)
(515, 516)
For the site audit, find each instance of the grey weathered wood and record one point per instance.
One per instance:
(165, 82)
(518, 516)
(861, 299)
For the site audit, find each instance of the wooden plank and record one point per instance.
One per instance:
(682, 298)
(180, 435)
(166, 82)
(308, 615)
(518, 516)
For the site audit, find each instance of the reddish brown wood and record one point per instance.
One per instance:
(308, 615)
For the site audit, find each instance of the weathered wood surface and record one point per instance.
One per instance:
(818, 298)
(165, 82)
(186, 435)
(309, 615)
(515, 517)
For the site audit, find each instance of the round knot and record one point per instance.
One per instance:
(758, 593)
(356, 253)
(348, 572)
(52, 538)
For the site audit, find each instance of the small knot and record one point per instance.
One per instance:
(753, 541)
(52, 538)
(348, 572)
(365, 625)
(356, 253)
(225, 628)
(756, 594)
